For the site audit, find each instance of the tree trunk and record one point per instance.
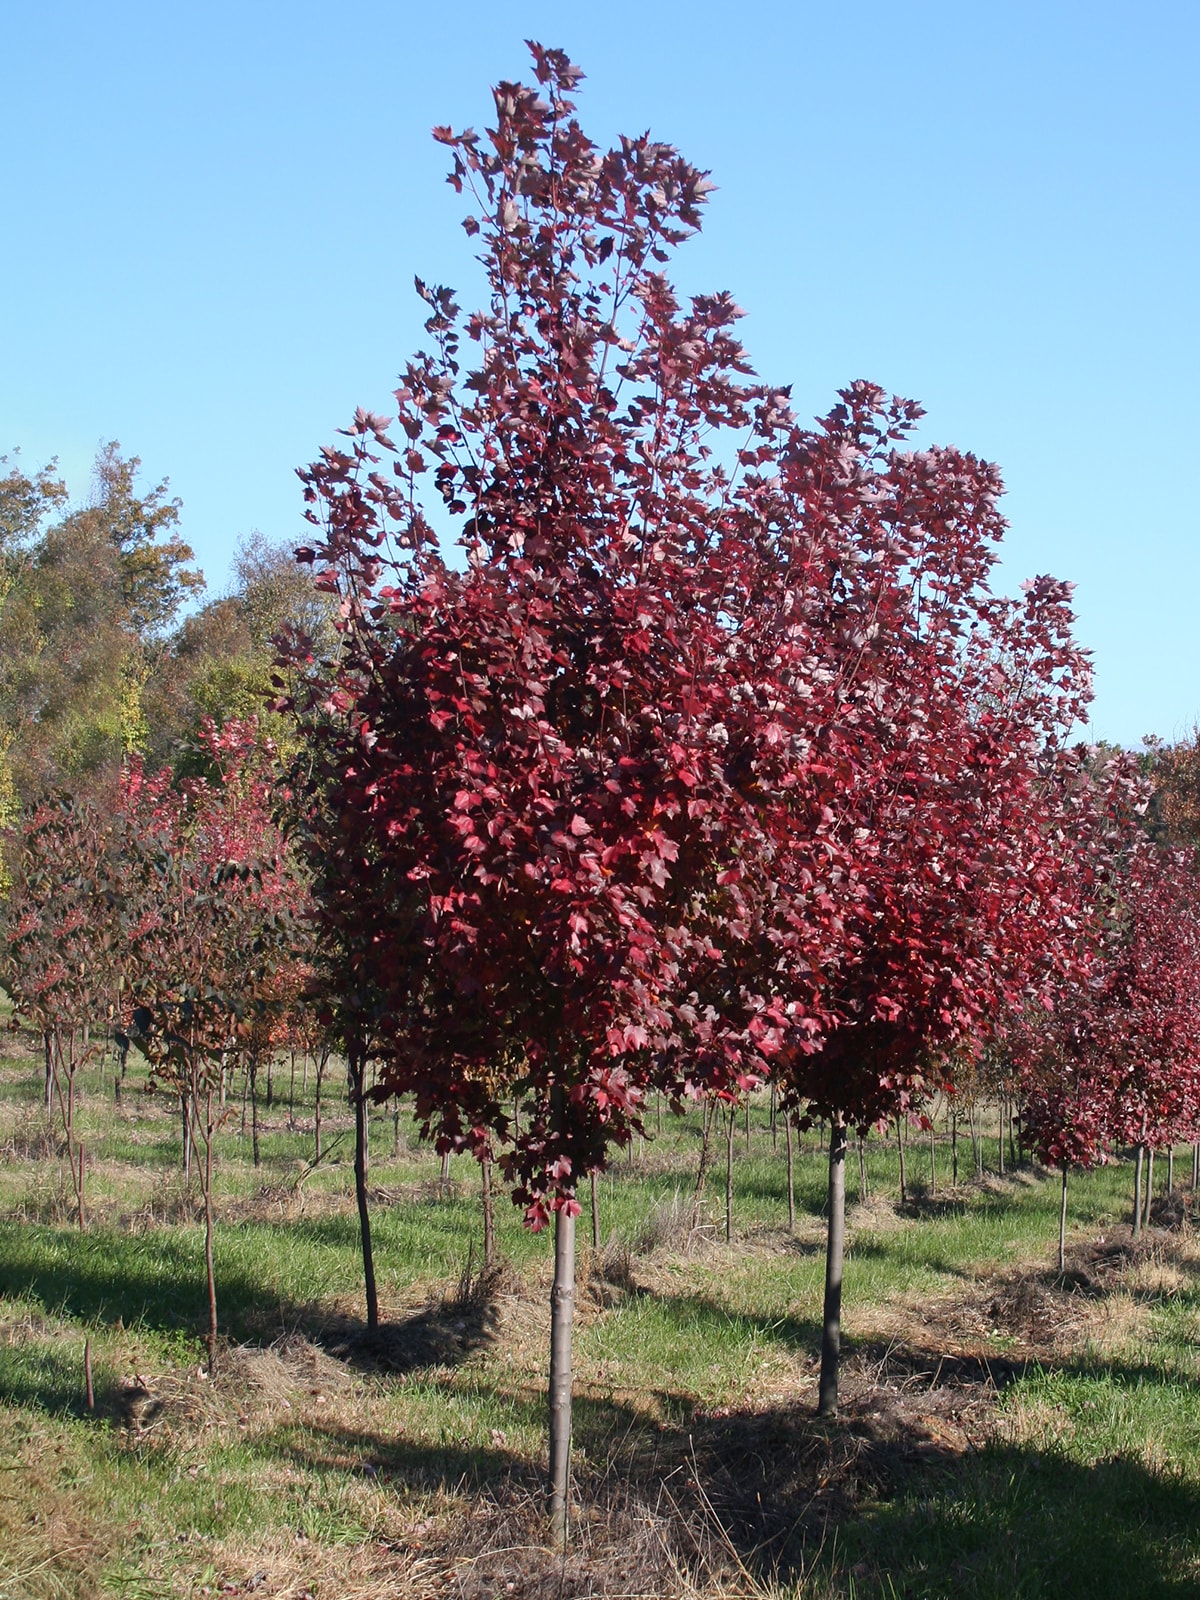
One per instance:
(791, 1173)
(729, 1174)
(831, 1327)
(863, 1191)
(954, 1148)
(774, 1122)
(562, 1316)
(1137, 1191)
(1195, 1167)
(396, 1131)
(1062, 1227)
(1000, 1141)
(932, 1161)
(710, 1111)
(1012, 1142)
(322, 1063)
(210, 1273)
(1149, 1187)
(185, 1121)
(489, 1215)
(1170, 1171)
(900, 1147)
(444, 1175)
(252, 1068)
(595, 1186)
(49, 1049)
(362, 1159)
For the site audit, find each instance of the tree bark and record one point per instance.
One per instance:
(252, 1068)
(831, 1327)
(1146, 1216)
(791, 1173)
(562, 1317)
(489, 1214)
(954, 1148)
(729, 1174)
(709, 1113)
(1062, 1227)
(1137, 1191)
(362, 1158)
(1170, 1171)
(209, 1221)
(900, 1147)
(1195, 1167)
(932, 1161)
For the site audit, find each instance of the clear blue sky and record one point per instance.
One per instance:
(213, 214)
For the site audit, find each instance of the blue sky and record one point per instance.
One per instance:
(214, 213)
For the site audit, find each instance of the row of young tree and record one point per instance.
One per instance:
(712, 760)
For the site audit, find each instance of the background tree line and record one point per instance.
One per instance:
(109, 646)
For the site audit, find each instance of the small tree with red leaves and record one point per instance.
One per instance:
(61, 959)
(1117, 1062)
(539, 777)
(208, 908)
(958, 826)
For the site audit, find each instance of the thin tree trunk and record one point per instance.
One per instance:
(186, 1123)
(1170, 1171)
(1137, 1190)
(322, 1063)
(489, 1214)
(208, 1235)
(562, 1316)
(1149, 1186)
(252, 1068)
(444, 1175)
(710, 1110)
(791, 1173)
(595, 1186)
(831, 1326)
(49, 1049)
(729, 1174)
(292, 1087)
(863, 1192)
(1195, 1167)
(396, 1131)
(1062, 1227)
(1000, 1140)
(1012, 1142)
(774, 1121)
(954, 1148)
(932, 1161)
(362, 1160)
(900, 1147)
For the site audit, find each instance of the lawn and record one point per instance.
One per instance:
(1004, 1431)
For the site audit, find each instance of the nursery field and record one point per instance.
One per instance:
(1005, 1430)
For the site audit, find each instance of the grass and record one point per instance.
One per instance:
(1002, 1433)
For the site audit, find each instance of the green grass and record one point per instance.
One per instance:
(694, 1370)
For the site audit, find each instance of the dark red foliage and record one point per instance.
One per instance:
(545, 773)
(1118, 1060)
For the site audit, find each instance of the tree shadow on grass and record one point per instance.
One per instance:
(891, 1498)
